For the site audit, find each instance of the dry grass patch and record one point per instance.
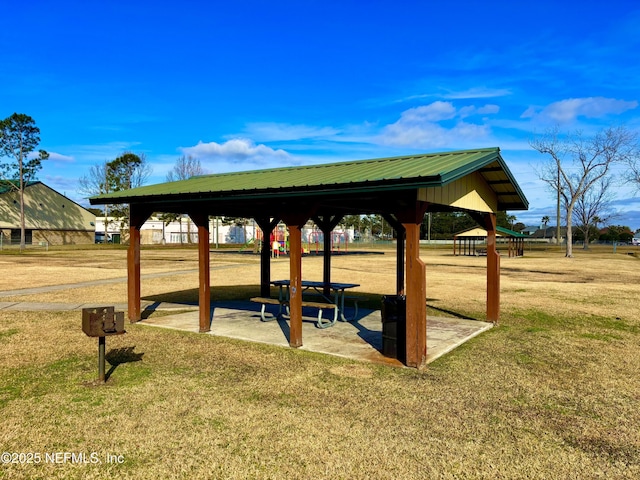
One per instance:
(39, 268)
(552, 392)
(514, 403)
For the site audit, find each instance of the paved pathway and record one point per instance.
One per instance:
(106, 281)
(40, 306)
(58, 306)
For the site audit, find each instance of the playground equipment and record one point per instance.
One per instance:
(249, 243)
(279, 240)
(314, 239)
(339, 240)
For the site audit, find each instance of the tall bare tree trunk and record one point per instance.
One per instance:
(569, 235)
(22, 222)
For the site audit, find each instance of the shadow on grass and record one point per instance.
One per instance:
(449, 312)
(119, 356)
(218, 293)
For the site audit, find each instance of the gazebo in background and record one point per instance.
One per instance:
(473, 242)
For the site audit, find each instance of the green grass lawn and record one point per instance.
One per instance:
(533, 398)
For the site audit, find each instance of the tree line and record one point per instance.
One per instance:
(577, 168)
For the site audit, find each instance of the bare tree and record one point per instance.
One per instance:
(185, 168)
(633, 164)
(593, 208)
(126, 171)
(95, 182)
(578, 163)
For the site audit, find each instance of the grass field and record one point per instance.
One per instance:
(551, 392)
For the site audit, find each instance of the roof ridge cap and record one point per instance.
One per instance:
(347, 162)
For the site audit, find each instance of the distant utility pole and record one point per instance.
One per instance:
(558, 209)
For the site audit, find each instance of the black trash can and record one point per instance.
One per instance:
(394, 326)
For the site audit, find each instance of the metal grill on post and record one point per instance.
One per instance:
(101, 322)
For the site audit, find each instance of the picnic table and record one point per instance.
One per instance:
(312, 289)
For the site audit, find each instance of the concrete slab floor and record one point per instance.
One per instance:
(360, 339)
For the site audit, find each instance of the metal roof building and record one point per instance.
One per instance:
(49, 216)
(401, 189)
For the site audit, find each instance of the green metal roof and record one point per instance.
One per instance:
(501, 230)
(11, 185)
(394, 173)
(511, 233)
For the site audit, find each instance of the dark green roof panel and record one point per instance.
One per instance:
(412, 171)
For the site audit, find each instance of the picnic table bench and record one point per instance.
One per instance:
(321, 323)
(311, 288)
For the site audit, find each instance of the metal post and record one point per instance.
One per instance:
(558, 210)
(216, 233)
(101, 348)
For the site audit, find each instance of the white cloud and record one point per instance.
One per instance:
(488, 109)
(421, 127)
(478, 92)
(473, 110)
(91, 154)
(432, 135)
(565, 111)
(433, 112)
(61, 184)
(236, 151)
(270, 132)
(474, 92)
(53, 156)
(58, 157)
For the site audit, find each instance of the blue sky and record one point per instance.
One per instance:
(256, 84)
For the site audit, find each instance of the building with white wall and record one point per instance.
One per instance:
(183, 231)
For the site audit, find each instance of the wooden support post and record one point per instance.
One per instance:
(327, 223)
(415, 287)
(137, 216)
(133, 274)
(400, 250)
(204, 271)
(295, 286)
(400, 260)
(326, 262)
(416, 294)
(266, 225)
(493, 270)
(295, 221)
(400, 236)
